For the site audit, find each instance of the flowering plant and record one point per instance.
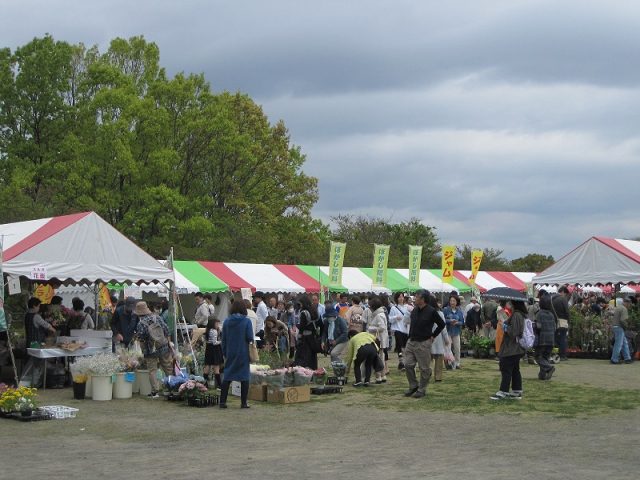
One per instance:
(129, 360)
(19, 399)
(104, 364)
(191, 388)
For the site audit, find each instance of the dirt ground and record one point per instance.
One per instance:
(339, 436)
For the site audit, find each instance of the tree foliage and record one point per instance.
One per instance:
(492, 259)
(165, 160)
(361, 232)
(533, 262)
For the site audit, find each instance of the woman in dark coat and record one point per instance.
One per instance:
(511, 352)
(237, 334)
(545, 328)
(310, 329)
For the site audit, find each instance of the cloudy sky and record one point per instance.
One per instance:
(505, 124)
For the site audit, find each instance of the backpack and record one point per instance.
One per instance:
(528, 338)
(156, 333)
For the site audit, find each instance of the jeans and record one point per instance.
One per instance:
(620, 344)
(561, 341)
(455, 346)
(418, 353)
(510, 370)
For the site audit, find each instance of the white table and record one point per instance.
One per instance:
(53, 352)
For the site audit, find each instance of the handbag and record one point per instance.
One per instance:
(563, 323)
(253, 353)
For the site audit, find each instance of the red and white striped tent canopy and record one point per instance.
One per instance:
(599, 260)
(76, 248)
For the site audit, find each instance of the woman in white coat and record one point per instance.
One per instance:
(438, 345)
(379, 323)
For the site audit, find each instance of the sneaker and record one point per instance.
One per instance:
(628, 361)
(499, 395)
(358, 384)
(410, 392)
(418, 394)
(366, 384)
(515, 395)
(380, 382)
(153, 395)
(550, 373)
(384, 379)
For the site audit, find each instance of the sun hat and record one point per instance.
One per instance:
(142, 309)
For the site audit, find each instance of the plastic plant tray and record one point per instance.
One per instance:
(60, 412)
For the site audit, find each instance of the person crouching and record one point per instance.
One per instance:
(363, 349)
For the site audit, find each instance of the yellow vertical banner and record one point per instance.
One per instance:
(415, 258)
(448, 256)
(336, 259)
(380, 260)
(476, 259)
(104, 298)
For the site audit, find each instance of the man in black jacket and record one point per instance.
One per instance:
(418, 349)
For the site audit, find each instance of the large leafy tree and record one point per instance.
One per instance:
(533, 262)
(492, 259)
(165, 160)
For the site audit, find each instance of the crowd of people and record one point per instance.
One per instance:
(359, 330)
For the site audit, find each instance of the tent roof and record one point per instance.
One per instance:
(598, 260)
(81, 248)
(192, 276)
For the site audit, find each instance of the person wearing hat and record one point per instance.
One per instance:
(335, 334)
(619, 322)
(124, 322)
(153, 334)
(262, 312)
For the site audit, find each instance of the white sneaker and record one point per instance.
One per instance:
(500, 395)
(515, 395)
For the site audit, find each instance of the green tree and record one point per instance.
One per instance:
(492, 259)
(533, 262)
(361, 232)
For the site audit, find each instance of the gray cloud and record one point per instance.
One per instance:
(510, 125)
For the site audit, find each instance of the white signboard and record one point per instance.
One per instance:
(14, 285)
(246, 293)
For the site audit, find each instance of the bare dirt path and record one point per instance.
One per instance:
(344, 436)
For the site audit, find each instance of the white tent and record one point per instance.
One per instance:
(599, 260)
(80, 248)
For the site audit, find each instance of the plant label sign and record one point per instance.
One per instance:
(39, 273)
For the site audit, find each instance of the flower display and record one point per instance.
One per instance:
(21, 399)
(129, 360)
(192, 388)
(104, 364)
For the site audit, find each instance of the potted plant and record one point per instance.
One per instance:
(193, 392)
(80, 376)
(21, 399)
(103, 368)
(129, 362)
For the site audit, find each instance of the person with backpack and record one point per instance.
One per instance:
(511, 351)
(545, 329)
(310, 342)
(153, 334)
(355, 317)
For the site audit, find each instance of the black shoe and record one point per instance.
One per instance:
(365, 384)
(223, 405)
(379, 382)
(246, 405)
(418, 394)
(628, 361)
(410, 392)
(358, 384)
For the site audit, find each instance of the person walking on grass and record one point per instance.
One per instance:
(618, 326)
(511, 352)
(418, 349)
(545, 327)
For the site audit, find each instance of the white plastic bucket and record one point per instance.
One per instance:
(122, 388)
(102, 388)
(144, 384)
(88, 393)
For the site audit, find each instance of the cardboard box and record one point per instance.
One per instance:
(258, 393)
(289, 394)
